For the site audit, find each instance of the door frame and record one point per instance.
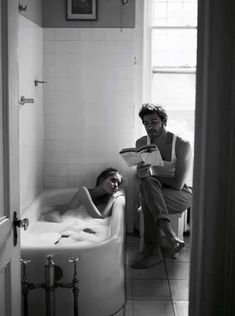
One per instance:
(212, 272)
(10, 87)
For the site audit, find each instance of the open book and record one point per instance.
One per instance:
(149, 154)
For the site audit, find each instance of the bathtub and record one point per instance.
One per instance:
(100, 266)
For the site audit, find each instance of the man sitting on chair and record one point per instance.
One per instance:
(163, 189)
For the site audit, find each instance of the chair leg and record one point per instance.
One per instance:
(141, 224)
(188, 221)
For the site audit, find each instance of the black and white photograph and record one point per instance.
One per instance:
(117, 158)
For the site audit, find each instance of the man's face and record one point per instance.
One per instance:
(153, 125)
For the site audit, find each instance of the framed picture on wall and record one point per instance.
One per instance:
(81, 9)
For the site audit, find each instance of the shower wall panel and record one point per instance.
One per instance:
(88, 102)
(30, 114)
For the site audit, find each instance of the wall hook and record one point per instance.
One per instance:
(22, 7)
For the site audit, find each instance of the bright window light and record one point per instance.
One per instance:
(173, 62)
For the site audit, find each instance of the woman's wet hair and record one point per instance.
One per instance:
(149, 108)
(105, 174)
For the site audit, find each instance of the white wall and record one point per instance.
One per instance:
(30, 115)
(88, 103)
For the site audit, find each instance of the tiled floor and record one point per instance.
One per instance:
(161, 290)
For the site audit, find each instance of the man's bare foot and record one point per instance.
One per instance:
(148, 259)
(175, 245)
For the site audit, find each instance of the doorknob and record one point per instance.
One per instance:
(19, 223)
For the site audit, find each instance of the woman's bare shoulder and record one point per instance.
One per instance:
(85, 190)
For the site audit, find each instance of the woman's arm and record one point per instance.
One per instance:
(108, 207)
(84, 197)
(74, 203)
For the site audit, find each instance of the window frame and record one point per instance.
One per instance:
(168, 69)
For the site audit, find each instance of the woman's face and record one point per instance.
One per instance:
(111, 183)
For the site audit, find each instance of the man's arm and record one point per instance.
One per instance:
(143, 169)
(183, 161)
(142, 141)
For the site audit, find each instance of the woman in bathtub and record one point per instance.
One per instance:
(97, 201)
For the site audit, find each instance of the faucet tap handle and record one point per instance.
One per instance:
(25, 261)
(74, 261)
(49, 259)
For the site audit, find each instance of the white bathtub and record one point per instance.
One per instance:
(100, 267)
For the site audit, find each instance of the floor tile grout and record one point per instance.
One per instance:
(131, 247)
(165, 264)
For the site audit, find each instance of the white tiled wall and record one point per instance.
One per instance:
(30, 115)
(89, 109)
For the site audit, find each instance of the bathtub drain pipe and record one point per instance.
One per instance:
(49, 286)
(75, 286)
(25, 287)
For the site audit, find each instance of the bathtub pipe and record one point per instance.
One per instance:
(25, 287)
(75, 285)
(50, 286)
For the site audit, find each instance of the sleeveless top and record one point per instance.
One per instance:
(168, 168)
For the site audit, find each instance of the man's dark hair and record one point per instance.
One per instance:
(149, 108)
(105, 174)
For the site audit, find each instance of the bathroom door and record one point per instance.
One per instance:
(10, 289)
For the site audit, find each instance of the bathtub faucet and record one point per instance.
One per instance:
(53, 273)
(24, 100)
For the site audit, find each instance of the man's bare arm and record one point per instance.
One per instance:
(183, 161)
